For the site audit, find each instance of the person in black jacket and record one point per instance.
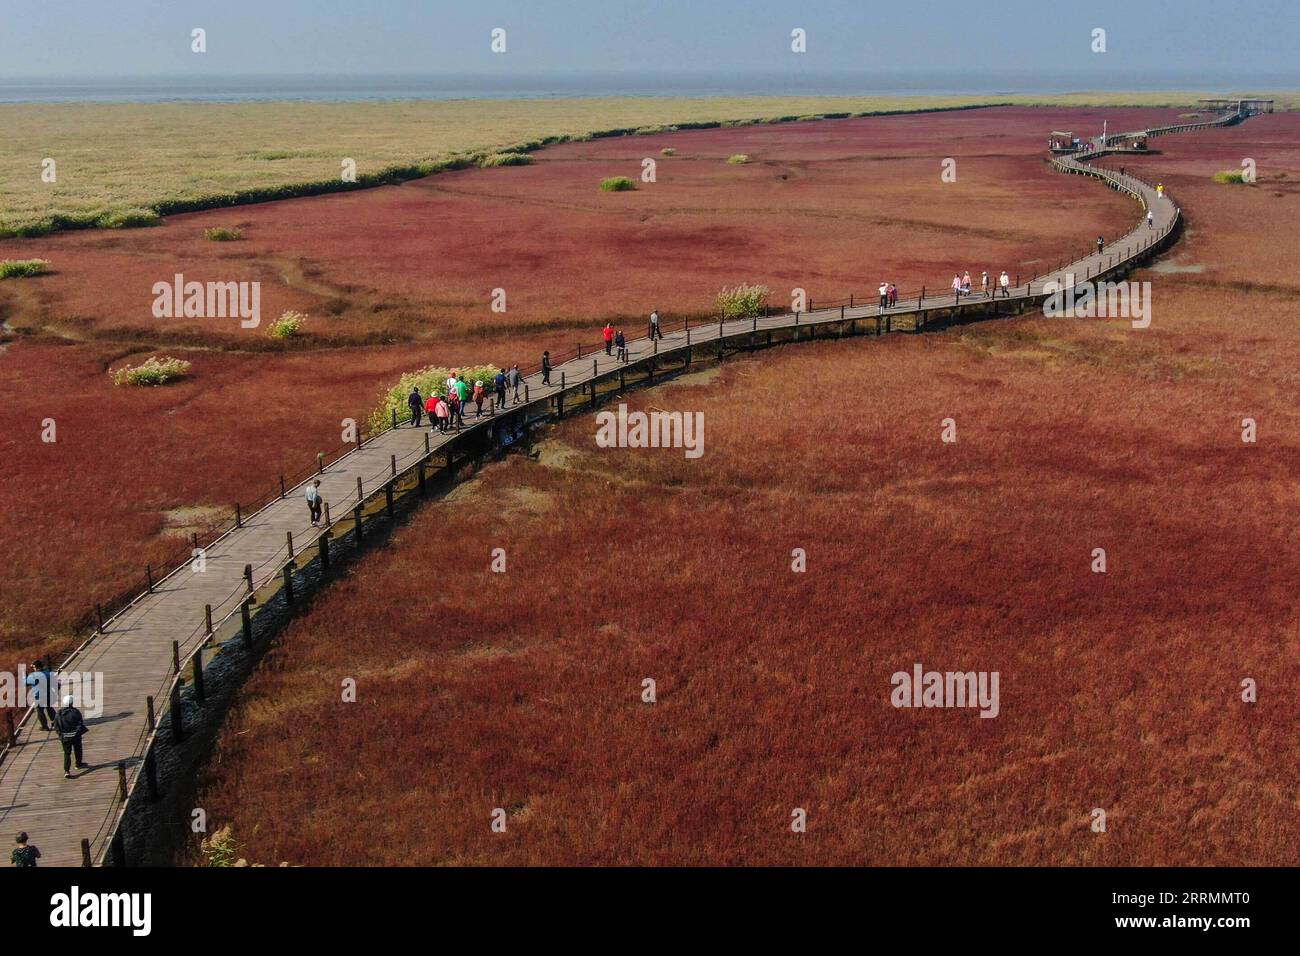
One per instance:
(71, 727)
(24, 854)
(546, 368)
(417, 406)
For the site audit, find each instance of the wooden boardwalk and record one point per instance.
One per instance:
(135, 653)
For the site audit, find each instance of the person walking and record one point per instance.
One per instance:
(453, 410)
(546, 368)
(965, 283)
(480, 394)
(608, 332)
(462, 391)
(71, 728)
(451, 380)
(893, 295)
(431, 407)
(314, 502)
(1160, 190)
(516, 380)
(442, 412)
(499, 385)
(41, 681)
(984, 283)
(24, 854)
(1004, 281)
(416, 402)
(956, 285)
(655, 333)
(884, 295)
(1101, 244)
(1150, 218)
(620, 346)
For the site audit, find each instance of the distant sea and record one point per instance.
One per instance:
(325, 88)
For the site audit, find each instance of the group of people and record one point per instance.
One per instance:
(888, 295)
(67, 721)
(961, 285)
(448, 411)
(614, 340)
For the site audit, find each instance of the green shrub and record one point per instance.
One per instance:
(128, 219)
(153, 371)
(738, 160)
(287, 326)
(505, 159)
(742, 301)
(431, 380)
(617, 184)
(1230, 176)
(22, 268)
(668, 151)
(223, 234)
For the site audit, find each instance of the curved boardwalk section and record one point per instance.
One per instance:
(150, 654)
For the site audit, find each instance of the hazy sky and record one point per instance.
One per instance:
(1018, 37)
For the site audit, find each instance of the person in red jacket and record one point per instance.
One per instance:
(609, 339)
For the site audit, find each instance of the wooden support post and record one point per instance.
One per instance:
(394, 411)
(148, 577)
(593, 393)
(246, 621)
(559, 404)
(392, 461)
(248, 577)
(282, 486)
(622, 382)
(526, 398)
(595, 369)
(176, 657)
(239, 518)
(361, 496)
(323, 545)
(85, 853)
(579, 350)
(356, 519)
(177, 715)
(150, 717)
(198, 675)
(119, 846)
(99, 618)
(327, 515)
(207, 618)
(288, 544)
(151, 775)
(420, 472)
(288, 584)
(561, 378)
(428, 448)
(388, 498)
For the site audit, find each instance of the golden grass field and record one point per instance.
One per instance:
(115, 158)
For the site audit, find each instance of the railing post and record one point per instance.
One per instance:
(121, 780)
(282, 486)
(198, 675)
(248, 577)
(360, 494)
(178, 717)
(239, 520)
(428, 447)
(176, 658)
(207, 617)
(392, 460)
(99, 618)
(148, 576)
(288, 544)
(150, 717)
(85, 853)
(246, 621)
(394, 411)
(327, 516)
(151, 774)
